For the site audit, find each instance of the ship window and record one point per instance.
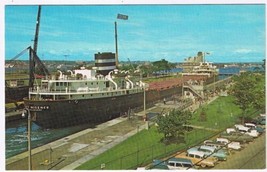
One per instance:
(57, 84)
(97, 83)
(83, 95)
(65, 84)
(91, 83)
(86, 83)
(91, 95)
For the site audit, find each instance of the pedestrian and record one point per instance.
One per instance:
(164, 101)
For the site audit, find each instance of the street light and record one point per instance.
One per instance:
(27, 111)
(147, 122)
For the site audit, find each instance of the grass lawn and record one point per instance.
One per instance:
(220, 114)
(141, 149)
(145, 146)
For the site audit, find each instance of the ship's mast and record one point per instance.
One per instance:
(116, 46)
(122, 17)
(34, 52)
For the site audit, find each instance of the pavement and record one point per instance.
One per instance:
(70, 152)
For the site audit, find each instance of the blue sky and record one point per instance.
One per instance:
(231, 33)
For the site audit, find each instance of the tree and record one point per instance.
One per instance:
(173, 124)
(249, 92)
(162, 65)
(146, 69)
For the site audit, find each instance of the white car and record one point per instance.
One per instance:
(241, 128)
(247, 130)
(180, 164)
(263, 115)
(230, 145)
(229, 130)
(253, 133)
(234, 145)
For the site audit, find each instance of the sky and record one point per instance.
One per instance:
(230, 33)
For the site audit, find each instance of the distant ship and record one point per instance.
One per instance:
(197, 66)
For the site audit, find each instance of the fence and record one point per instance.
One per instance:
(145, 156)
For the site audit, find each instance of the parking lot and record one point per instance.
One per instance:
(243, 153)
(253, 156)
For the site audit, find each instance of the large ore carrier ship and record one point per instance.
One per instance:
(87, 97)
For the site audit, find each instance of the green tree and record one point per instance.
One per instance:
(249, 92)
(163, 65)
(146, 69)
(173, 124)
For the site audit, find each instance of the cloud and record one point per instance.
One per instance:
(243, 51)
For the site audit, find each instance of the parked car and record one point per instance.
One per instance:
(263, 115)
(255, 127)
(259, 121)
(229, 130)
(229, 144)
(214, 144)
(198, 158)
(159, 165)
(252, 132)
(180, 164)
(247, 130)
(212, 152)
(241, 128)
(237, 137)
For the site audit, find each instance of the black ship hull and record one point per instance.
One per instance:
(15, 94)
(64, 113)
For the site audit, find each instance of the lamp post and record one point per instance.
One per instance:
(29, 137)
(146, 117)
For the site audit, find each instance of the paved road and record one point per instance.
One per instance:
(253, 156)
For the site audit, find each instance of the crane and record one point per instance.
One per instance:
(131, 64)
(34, 60)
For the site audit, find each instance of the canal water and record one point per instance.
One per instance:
(16, 132)
(17, 141)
